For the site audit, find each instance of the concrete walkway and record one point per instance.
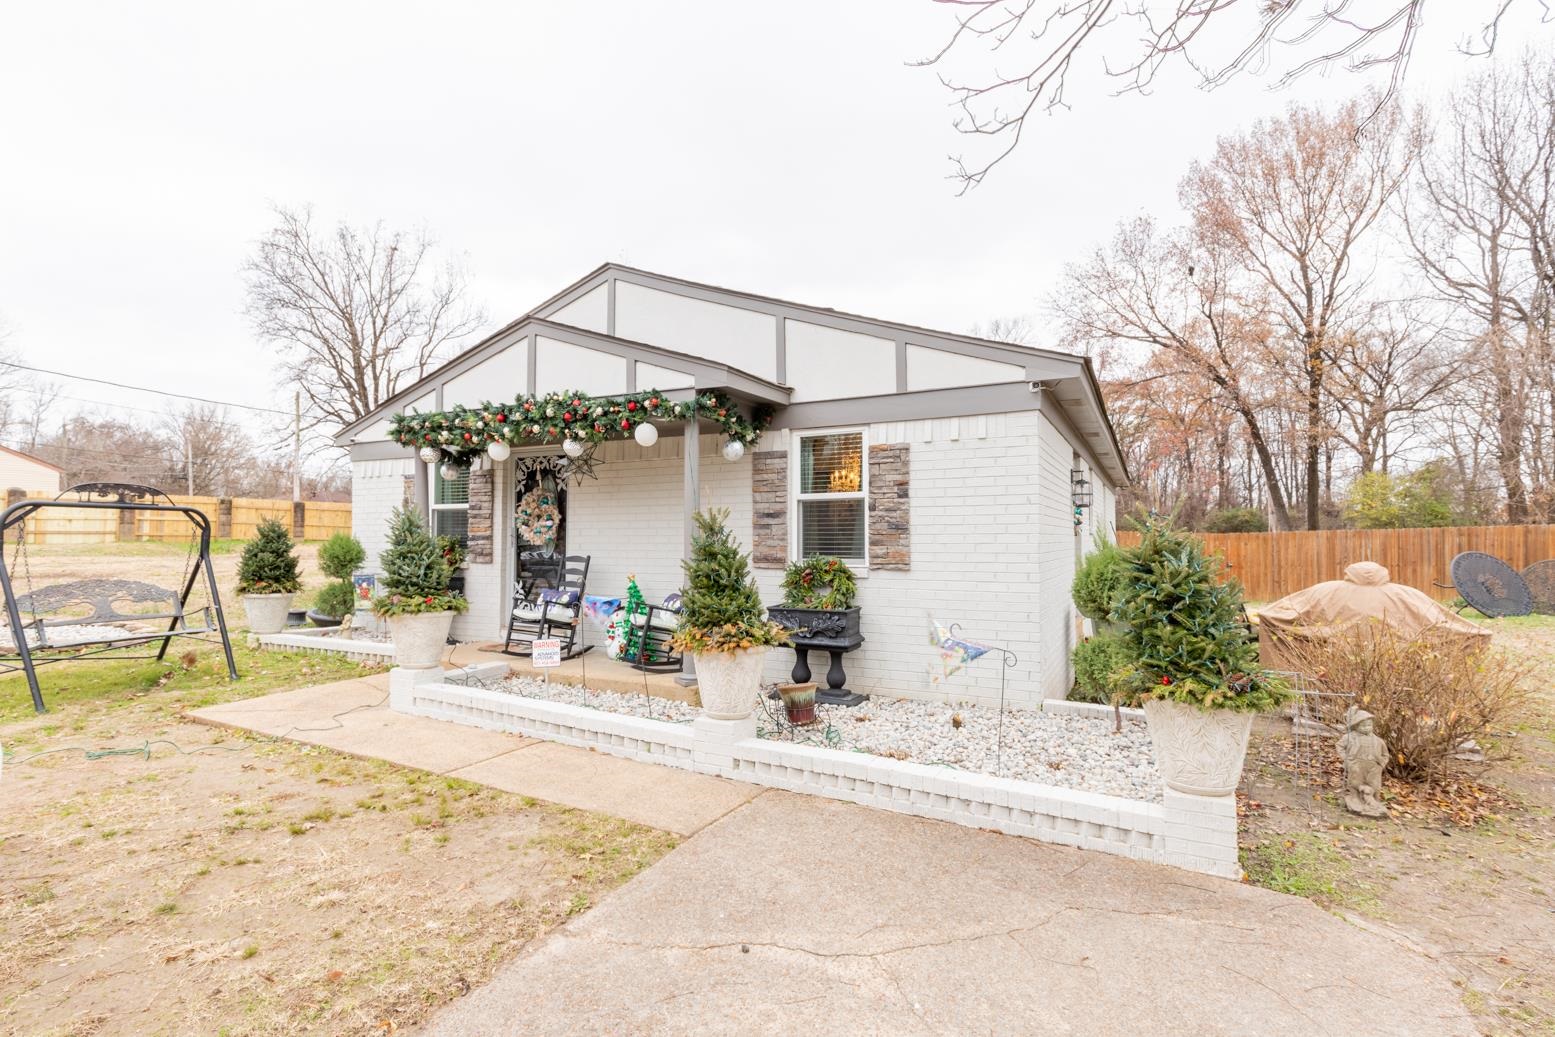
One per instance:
(353, 716)
(786, 913)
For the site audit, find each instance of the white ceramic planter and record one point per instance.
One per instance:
(419, 639)
(1199, 751)
(266, 612)
(729, 682)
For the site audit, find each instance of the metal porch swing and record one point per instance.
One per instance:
(101, 611)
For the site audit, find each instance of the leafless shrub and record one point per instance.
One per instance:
(1429, 696)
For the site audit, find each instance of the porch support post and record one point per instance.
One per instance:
(691, 502)
(691, 486)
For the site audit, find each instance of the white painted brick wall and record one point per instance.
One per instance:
(377, 488)
(993, 546)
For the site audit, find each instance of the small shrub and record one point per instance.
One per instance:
(1098, 580)
(1236, 520)
(268, 565)
(1100, 668)
(1428, 696)
(335, 599)
(341, 556)
(819, 583)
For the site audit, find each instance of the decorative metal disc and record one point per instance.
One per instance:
(1540, 578)
(1490, 585)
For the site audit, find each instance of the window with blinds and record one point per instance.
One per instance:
(829, 495)
(451, 505)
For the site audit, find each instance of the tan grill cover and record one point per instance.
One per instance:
(1328, 609)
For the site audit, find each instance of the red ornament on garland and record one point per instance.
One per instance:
(625, 424)
(631, 405)
(502, 417)
(653, 401)
(567, 416)
(598, 427)
(467, 436)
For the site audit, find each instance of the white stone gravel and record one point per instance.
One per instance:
(1047, 748)
(635, 705)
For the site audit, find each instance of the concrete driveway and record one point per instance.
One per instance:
(798, 914)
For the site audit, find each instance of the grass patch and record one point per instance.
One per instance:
(1307, 865)
(601, 849)
(92, 687)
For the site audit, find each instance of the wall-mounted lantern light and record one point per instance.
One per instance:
(1080, 489)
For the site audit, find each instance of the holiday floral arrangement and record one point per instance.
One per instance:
(819, 583)
(454, 552)
(537, 517)
(461, 433)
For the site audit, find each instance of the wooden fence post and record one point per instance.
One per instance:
(14, 494)
(127, 524)
(224, 518)
(299, 518)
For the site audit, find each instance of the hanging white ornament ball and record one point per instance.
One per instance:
(429, 454)
(646, 434)
(572, 448)
(734, 450)
(498, 450)
(450, 471)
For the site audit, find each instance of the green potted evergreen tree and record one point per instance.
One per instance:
(268, 577)
(722, 623)
(416, 600)
(340, 556)
(1193, 660)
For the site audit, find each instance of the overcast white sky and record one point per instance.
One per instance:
(783, 148)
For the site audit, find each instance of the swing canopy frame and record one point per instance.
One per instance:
(38, 640)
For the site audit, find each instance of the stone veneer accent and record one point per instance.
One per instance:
(769, 495)
(480, 517)
(890, 531)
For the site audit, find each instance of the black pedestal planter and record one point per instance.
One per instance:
(835, 631)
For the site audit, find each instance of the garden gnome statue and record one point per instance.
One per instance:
(1364, 756)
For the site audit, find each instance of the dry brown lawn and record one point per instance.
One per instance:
(229, 885)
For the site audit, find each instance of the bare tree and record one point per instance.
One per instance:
(358, 313)
(211, 453)
(1481, 221)
(1176, 293)
(1036, 45)
(1387, 375)
(1291, 202)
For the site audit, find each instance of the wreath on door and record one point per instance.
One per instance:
(538, 518)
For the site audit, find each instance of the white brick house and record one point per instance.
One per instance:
(982, 438)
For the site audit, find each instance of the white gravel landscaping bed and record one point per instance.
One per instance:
(64, 636)
(1047, 748)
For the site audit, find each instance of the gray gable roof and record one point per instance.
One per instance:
(1062, 382)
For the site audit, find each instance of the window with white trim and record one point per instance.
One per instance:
(830, 495)
(450, 508)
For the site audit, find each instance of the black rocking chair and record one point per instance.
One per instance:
(655, 625)
(555, 612)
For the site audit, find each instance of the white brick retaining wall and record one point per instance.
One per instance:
(1195, 832)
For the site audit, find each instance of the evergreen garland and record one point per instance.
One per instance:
(1186, 632)
(720, 609)
(268, 565)
(461, 433)
(415, 574)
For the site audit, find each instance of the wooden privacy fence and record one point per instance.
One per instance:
(1272, 565)
(235, 517)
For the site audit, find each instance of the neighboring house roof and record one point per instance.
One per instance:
(1069, 379)
(35, 460)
